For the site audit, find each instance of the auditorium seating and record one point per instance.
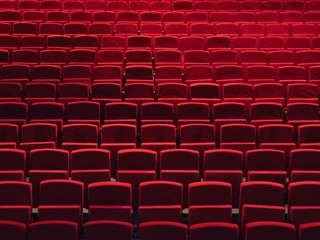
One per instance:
(159, 119)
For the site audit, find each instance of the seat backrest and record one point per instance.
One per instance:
(109, 193)
(86, 159)
(53, 229)
(61, 192)
(118, 133)
(160, 193)
(209, 193)
(115, 229)
(15, 193)
(158, 133)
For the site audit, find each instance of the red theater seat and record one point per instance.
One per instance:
(203, 231)
(122, 112)
(9, 42)
(139, 93)
(201, 29)
(220, 16)
(117, 6)
(307, 136)
(169, 73)
(69, 92)
(192, 112)
(77, 73)
(87, 41)
(229, 5)
(16, 201)
(83, 112)
(255, 206)
(224, 57)
(111, 57)
(266, 165)
(227, 28)
(243, 140)
(25, 28)
(290, 16)
(172, 92)
(116, 229)
(271, 43)
(228, 74)
(158, 136)
(209, 201)
(110, 201)
(53, 229)
(277, 29)
(303, 205)
(253, 29)
(47, 112)
(243, 16)
(95, 6)
(46, 73)
(250, 6)
(139, 74)
(69, 207)
(50, 5)
(33, 42)
(266, 113)
(198, 74)
(38, 135)
(13, 230)
(139, 6)
(106, 92)
(53, 57)
(261, 76)
(296, 5)
(268, 229)
(204, 92)
(164, 6)
(25, 56)
(160, 229)
(167, 57)
(107, 73)
(204, 6)
(304, 165)
(160, 200)
(157, 112)
(196, 17)
(79, 135)
(268, 92)
(40, 92)
(192, 43)
(298, 42)
(80, 16)
(303, 29)
(308, 231)
(166, 42)
(236, 92)
(10, 92)
(302, 92)
(13, 164)
(175, 29)
(9, 135)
